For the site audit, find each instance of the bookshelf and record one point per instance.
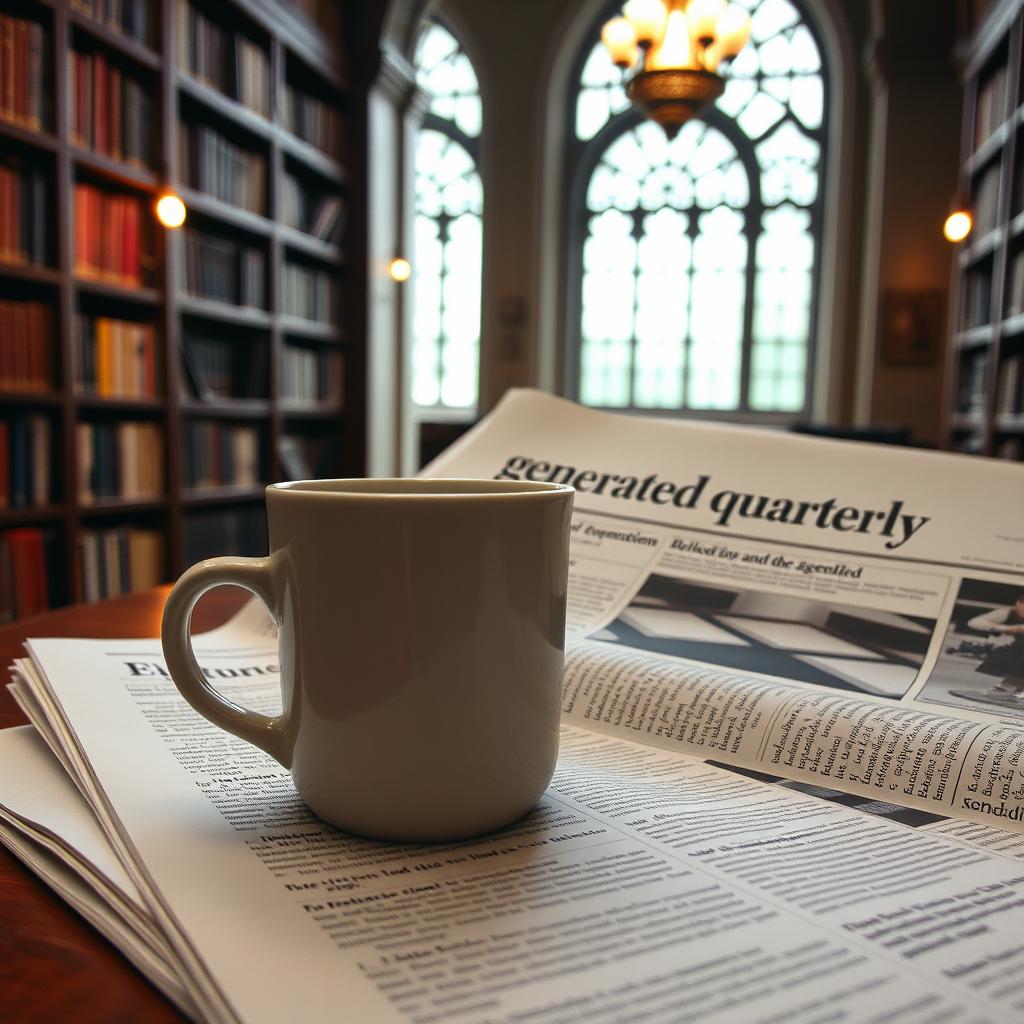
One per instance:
(153, 381)
(985, 399)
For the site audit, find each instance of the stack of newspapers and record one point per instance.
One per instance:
(791, 781)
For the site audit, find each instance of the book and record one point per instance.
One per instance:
(130, 18)
(27, 583)
(718, 841)
(23, 211)
(114, 358)
(119, 560)
(121, 460)
(312, 119)
(24, 67)
(310, 376)
(112, 111)
(111, 241)
(220, 454)
(310, 293)
(25, 461)
(211, 163)
(26, 352)
(218, 366)
(222, 58)
(224, 269)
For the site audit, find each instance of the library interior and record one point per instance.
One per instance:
(252, 240)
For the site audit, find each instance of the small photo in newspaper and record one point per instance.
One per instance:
(981, 666)
(839, 646)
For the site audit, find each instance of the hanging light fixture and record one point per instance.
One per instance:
(674, 49)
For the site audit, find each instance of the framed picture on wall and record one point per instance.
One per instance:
(911, 327)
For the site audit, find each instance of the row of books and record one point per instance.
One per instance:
(26, 346)
(130, 18)
(309, 293)
(1009, 448)
(23, 233)
(971, 383)
(307, 456)
(312, 119)
(311, 211)
(25, 459)
(221, 454)
(990, 107)
(110, 111)
(209, 162)
(115, 357)
(977, 307)
(119, 561)
(985, 201)
(119, 460)
(109, 236)
(310, 375)
(226, 61)
(29, 571)
(217, 367)
(232, 531)
(223, 269)
(23, 70)
(1010, 386)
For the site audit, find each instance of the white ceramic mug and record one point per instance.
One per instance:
(422, 633)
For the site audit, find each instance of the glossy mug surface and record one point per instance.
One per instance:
(422, 633)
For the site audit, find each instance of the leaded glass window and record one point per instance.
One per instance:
(447, 243)
(699, 257)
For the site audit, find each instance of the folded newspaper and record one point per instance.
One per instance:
(791, 782)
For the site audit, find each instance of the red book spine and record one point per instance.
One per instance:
(19, 343)
(7, 67)
(5, 466)
(81, 248)
(114, 112)
(130, 248)
(21, 71)
(99, 114)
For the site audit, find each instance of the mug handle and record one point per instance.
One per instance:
(257, 575)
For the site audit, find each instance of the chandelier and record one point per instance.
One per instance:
(675, 48)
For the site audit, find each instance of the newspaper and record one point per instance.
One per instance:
(679, 868)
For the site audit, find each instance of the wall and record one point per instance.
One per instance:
(914, 159)
(898, 167)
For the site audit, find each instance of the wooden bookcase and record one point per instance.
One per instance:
(323, 434)
(985, 398)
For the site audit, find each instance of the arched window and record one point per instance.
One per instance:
(695, 275)
(447, 247)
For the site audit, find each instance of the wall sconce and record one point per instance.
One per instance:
(958, 224)
(399, 269)
(170, 209)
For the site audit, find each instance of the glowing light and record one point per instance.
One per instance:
(399, 269)
(170, 210)
(958, 226)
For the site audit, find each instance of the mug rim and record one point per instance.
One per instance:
(394, 489)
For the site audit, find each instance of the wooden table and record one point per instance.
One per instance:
(53, 966)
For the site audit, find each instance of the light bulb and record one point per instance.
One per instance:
(620, 39)
(674, 49)
(399, 269)
(648, 20)
(733, 32)
(703, 17)
(958, 226)
(170, 210)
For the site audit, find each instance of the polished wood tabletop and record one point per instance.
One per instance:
(53, 966)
